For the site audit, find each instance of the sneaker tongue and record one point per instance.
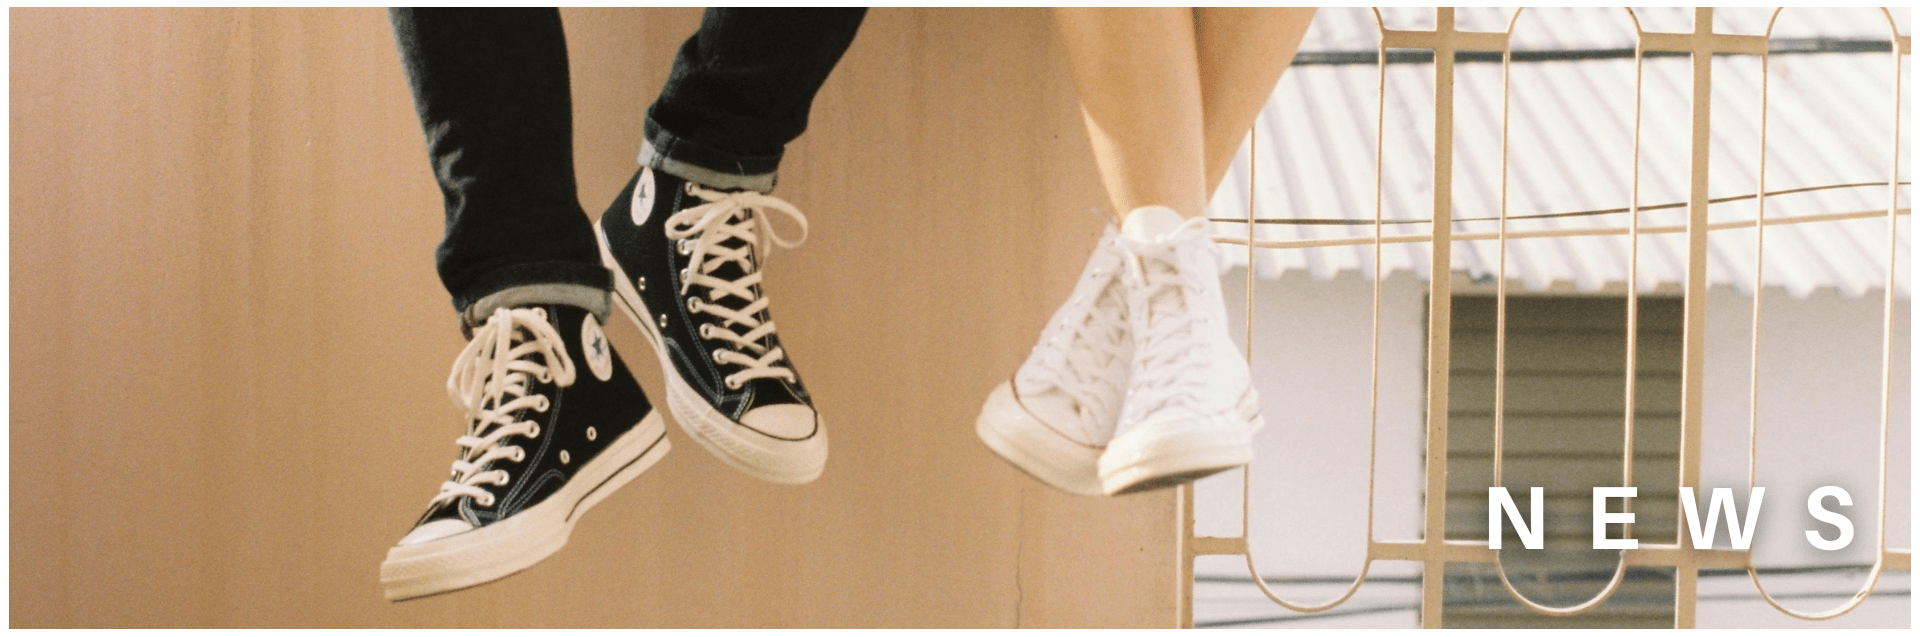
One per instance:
(1148, 224)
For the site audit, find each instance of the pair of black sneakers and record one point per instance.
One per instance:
(546, 439)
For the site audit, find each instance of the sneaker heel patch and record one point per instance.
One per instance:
(599, 353)
(643, 192)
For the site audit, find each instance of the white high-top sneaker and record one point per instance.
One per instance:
(1053, 420)
(1190, 409)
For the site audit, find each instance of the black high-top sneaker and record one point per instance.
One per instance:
(555, 423)
(686, 268)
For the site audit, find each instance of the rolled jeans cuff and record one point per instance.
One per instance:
(581, 285)
(683, 158)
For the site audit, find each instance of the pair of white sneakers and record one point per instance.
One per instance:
(1135, 384)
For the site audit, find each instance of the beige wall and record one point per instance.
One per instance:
(229, 345)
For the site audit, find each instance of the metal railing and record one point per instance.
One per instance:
(1434, 551)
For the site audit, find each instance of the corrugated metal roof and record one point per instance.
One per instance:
(1829, 122)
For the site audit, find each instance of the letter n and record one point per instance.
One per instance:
(1531, 531)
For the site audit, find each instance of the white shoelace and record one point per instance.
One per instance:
(490, 381)
(1078, 350)
(699, 232)
(1172, 353)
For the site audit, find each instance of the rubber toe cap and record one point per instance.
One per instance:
(786, 421)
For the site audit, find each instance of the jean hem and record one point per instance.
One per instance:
(680, 157)
(585, 285)
(593, 300)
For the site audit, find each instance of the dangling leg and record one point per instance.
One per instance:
(1140, 80)
(519, 259)
(684, 239)
(1138, 360)
(1242, 52)
(741, 89)
(491, 89)
(1138, 76)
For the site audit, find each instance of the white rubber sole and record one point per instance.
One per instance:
(753, 453)
(1159, 454)
(511, 545)
(1035, 448)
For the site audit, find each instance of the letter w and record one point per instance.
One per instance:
(1722, 499)
(1530, 531)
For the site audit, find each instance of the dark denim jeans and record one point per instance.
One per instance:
(491, 89)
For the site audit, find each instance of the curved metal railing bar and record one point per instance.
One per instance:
(1500, 334)
(1886, 350)
(1373, 431)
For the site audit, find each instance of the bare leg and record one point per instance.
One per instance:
(1138, 75)
(1242, 52)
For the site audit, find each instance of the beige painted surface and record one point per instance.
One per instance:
(229, 345)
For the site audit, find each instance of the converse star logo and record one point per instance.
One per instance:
(599, 356)
(643, 192)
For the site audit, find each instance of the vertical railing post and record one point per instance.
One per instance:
(1693, 348)
(1185, 552)
(1439, 319)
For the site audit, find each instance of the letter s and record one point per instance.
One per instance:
(1829, 517)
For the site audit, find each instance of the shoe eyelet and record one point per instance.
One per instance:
(519, 455)
(642, 283)
(733, 383)
(487, 502)
(564, 458)
(688, 187)
(663, 321)
(504, 478)
(681, 246)
(592, 433)
(535, 431)
(684, 272)
(545, 404)
(540, 312)
(706, 331)
(716, 356)
(693, 304)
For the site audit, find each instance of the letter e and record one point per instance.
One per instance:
(1601, 518)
